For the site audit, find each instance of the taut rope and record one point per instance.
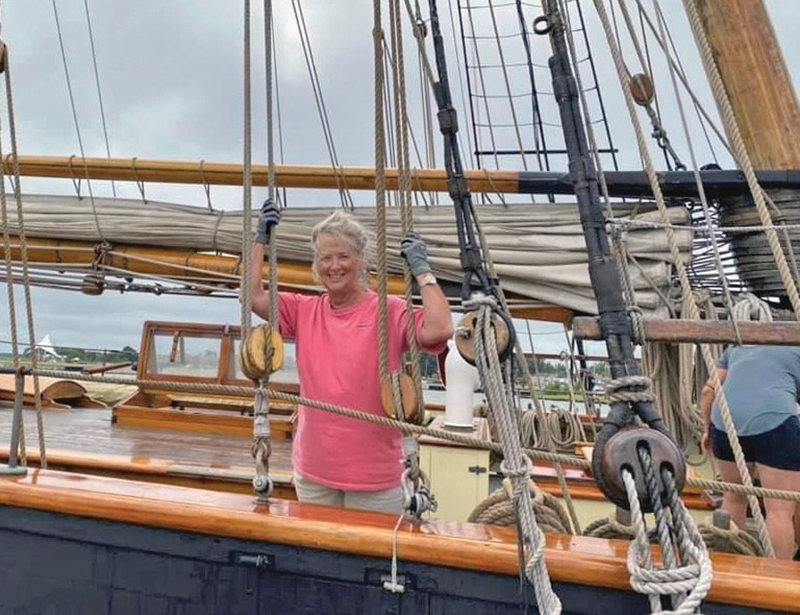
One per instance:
(25, 270)
(682, 274)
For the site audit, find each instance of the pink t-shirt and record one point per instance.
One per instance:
(337, 361)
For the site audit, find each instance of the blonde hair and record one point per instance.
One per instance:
(346, 227)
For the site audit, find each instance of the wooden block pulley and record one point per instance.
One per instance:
(262, 352)
(465, 336)
(408, 394)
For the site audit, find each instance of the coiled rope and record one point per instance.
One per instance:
(498, 509)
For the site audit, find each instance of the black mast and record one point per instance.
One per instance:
(603, 273)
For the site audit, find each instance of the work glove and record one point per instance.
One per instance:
(415, 252)
(269, 218)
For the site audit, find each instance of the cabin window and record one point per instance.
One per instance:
(182, 354)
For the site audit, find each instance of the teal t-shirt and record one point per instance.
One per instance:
(761, 387)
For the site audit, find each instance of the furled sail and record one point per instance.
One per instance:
(538, 249)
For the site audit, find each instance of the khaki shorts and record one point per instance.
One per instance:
(387, 500)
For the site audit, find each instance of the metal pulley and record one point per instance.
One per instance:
(642, 89)
(621, 451)
(465, 336)
(261, 353)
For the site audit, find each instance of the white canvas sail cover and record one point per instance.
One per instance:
(538, 248)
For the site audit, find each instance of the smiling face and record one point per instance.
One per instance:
(338, 266)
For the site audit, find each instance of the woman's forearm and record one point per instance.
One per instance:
(438, 323)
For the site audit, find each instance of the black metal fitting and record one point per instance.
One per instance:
(448, 121)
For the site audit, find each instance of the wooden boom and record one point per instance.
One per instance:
(177, 264)
(680, 331)
(227, 174)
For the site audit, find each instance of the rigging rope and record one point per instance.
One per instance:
(479, 66)
(37, 393)
(417, 496)
(506, 81)
(659, 133)
(311, 66)
(406, 428)
(515, 466)
(74, 113)
(404, 192)
(681, 74)
(682, 275)
(740, 153)
(247, 181)
(99, 91)
(692, 576)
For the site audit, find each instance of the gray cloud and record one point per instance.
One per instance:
(171, 77)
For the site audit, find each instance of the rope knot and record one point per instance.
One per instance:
(479, 300)
(629, 389)
(523, 471)
(636, 317)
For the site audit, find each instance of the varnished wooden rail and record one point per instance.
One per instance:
(702, 331)
(744, 581)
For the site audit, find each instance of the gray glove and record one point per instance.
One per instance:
(269, 218)
(415, 252)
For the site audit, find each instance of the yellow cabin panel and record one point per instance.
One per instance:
(459, 479)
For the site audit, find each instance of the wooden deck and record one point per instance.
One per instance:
(86, 440)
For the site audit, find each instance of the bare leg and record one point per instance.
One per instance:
(780, 513)
(734, 503)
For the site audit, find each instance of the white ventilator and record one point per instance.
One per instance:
(462, 381)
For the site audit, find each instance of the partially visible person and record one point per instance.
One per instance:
(762, 387)
(339, 461)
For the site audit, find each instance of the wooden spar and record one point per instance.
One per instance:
(223, 174)
(177, 264)
(161, 261)
(757, 82)
(679, 331)
(620, 183)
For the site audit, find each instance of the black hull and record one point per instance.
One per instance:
(63, 565)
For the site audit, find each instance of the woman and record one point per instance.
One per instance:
(339, 461)
(762, 387)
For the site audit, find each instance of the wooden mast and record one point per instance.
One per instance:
(757, 82)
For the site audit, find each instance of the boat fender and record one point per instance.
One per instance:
(462, 380)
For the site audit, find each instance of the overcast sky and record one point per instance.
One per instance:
(171, 81)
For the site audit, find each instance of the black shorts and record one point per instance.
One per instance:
(778, 448)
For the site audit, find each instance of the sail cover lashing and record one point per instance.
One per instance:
(538, 249)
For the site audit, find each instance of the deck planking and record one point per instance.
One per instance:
(92, 431)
